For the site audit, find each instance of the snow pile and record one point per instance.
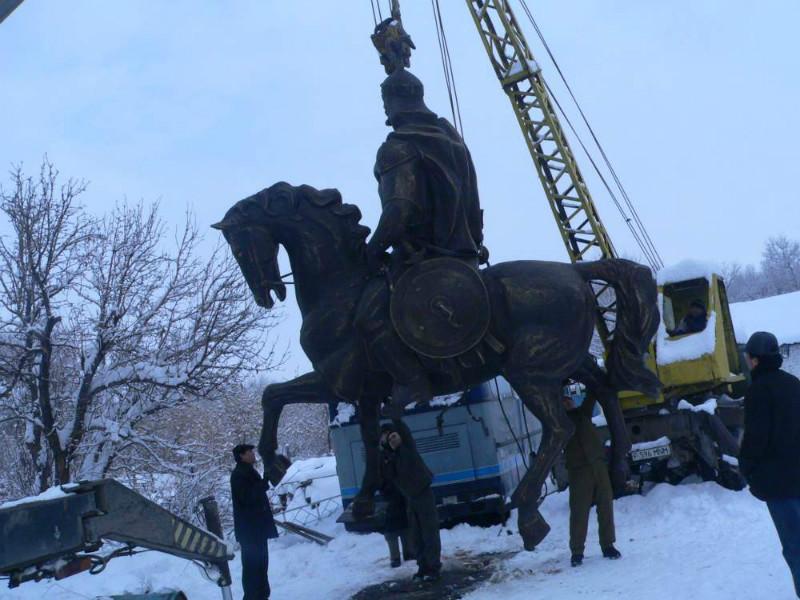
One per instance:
(49, 494)
(690, 541)
(308, 482)
(311, 468)
(709, 406)
(777, 314)
(688, 347)
(685, 270)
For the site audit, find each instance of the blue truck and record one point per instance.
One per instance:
(477, 444)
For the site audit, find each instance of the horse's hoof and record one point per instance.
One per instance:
(363, 507)
(276, 468)
(533, 530)
(620, 475)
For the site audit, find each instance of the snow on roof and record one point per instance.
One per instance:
(687, 269)
(779, 315)
(446, 400)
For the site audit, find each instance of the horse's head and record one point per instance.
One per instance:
(292, 216)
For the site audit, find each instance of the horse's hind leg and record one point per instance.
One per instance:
(364, 502)
(543, 399)
(306, 389)
(597, 386)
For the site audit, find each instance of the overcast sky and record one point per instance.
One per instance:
(200, 104)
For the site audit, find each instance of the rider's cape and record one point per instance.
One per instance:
(452, 194)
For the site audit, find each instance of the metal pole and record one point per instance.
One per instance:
(213, 524)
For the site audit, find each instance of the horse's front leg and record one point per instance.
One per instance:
(597, 386)
(306, 389)
(369, 415)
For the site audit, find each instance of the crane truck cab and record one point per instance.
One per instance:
(692, 426)
(689, 362)
(700, 363)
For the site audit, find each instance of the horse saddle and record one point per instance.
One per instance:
(440, 307)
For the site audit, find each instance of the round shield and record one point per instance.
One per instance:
(440, 307)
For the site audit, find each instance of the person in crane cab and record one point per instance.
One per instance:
(769, 458)
(589, 482)
(430, 208)
(402, 466)
(694, 321)
(253, 523)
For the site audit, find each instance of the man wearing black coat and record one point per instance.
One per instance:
(770, 455)
(252, 522)
(401, 465)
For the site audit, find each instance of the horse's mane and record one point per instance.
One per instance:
(330, 200)
(284, 199)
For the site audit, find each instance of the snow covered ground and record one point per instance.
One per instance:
(695, 541)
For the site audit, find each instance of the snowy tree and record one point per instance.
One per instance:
(194, 454)
(779, 272)
(780, 264)
(745, 282)
(105, 323)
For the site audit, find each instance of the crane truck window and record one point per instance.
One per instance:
(687, 304)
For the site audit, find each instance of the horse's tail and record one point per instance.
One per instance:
(637, 322)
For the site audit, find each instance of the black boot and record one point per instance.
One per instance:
(612, 553)
(576, 560)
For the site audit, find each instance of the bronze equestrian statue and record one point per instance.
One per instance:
(540, 327)
(424, 320)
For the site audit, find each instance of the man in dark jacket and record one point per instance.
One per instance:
(252, 522)
(770, 455)
(401, 465)
(589, 483)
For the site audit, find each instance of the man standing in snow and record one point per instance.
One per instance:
(401, 465)
(588, 483)
(770, 455)
(252, 522)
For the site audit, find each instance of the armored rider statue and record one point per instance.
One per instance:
(429, 195)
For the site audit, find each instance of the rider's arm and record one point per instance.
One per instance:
(400, 187)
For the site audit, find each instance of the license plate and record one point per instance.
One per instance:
(649, 453)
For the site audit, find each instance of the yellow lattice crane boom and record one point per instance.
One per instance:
(567, 193)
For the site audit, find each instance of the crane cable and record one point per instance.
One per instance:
(651, 259)
(377, 16)
(447, 66)
(647, 240)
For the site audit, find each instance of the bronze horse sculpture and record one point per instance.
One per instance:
(542, 322)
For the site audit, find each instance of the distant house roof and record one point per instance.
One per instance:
(779, 315)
